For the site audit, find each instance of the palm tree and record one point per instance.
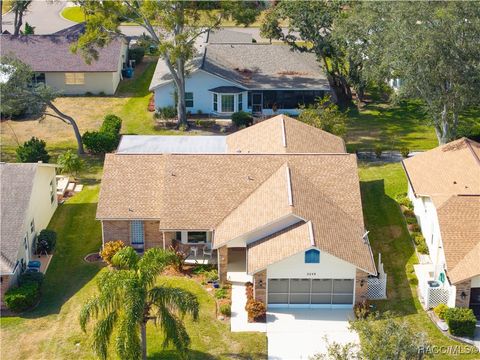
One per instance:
(128, 298)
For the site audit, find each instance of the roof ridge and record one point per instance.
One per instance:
(475, 156)
(250, 194)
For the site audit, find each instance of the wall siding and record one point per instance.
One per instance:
(95, 82)
(116, 230)
(463, 287)
(260, 286)
(153, 235)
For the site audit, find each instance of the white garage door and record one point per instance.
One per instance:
(310, 292)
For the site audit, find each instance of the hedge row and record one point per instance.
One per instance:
(107, 138)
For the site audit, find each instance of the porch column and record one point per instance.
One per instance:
(463, 287)
(260, 286)
(222, 263)
(361, 286)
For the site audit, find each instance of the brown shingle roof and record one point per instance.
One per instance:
(283, 134)
(278, 246)
(51, 53)
(450, 169)
(459, 219)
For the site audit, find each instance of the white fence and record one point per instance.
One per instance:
(436, 296)
(377, 287)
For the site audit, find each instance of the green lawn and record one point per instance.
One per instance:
(73, 13)
(52, 331)
(380, 184)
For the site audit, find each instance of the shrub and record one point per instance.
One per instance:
(440, 310)
(100, 142)
(411, 220)
(405, 201)
(70, 162)
(221, 293)
(241, 118)
(26, 277)
(111, 124)
(32, 151)
(110, 249)
(256, 310)
(46, 241)
(226, 309)
(362, 309)
(408, 212)
(136, 54)
(378, 151)
(419, 239)
(182, 127)
(404, 152)
(166, 113)
(414, 227)
(211, 275)
(23, 297)
(207, 124)
(422, 248)
(461, 321)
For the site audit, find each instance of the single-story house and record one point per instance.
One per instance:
(278, 202)
(444, 186)
(54, 64)
(29, 200)
(260, 78)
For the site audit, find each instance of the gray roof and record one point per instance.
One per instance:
(223, 36)
(74, 30)
(16, 188)
(154, 144)
(255, 66)
(51, 53)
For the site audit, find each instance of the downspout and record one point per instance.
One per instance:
(163, 239)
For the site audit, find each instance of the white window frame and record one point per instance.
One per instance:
(32, 226)
(184, 237)
(74, 78)
(53, 191)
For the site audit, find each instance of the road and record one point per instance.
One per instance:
(45, 17)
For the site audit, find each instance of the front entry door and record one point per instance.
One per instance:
(257, 103)
(475, 301)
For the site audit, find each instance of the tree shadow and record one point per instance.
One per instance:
(390, 237)
(174, 355)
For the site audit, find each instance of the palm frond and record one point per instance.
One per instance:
(173, 298)
(128, 342)
(127, 258)
(173, 330)
(89, 310)
(103, 331)
(152, 264)
(112, 288)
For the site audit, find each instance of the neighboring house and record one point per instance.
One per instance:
(28, 201)
(444, 186)
(54, 64)
(279, 202)
(259, 78)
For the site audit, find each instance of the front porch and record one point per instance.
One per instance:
(197, 254)
(237, 266)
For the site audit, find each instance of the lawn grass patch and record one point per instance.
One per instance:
(380, 185)
(73, 13)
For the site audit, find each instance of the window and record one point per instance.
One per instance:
(136, 232)
(196, 237)
(32, 226)
(53, 191)
(215, 102)
(240, 102)
(189, 99)
(25, 242)
(228, 103)
(38, 78)
(312, 256)
(74, 78)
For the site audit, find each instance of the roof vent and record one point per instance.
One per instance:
(250, 178)
(455, 182)
(130, 209)
(173, 174)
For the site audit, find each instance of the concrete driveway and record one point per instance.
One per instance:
(300, 333)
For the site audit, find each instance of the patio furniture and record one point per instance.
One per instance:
(207, 251)
(194, 251)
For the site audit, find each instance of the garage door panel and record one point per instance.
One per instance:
(300, 285)
(311, 291)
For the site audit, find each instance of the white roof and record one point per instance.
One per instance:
(155, 144)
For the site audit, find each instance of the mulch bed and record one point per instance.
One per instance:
(93, 258)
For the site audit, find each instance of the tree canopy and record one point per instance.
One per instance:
(433, 47)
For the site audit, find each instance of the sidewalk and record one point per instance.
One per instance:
(239, 319)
